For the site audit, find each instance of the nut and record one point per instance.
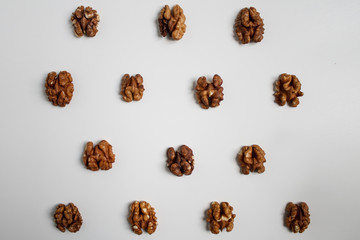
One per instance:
(68, 217)
(249, 26)
(172, 23)
(142, 216)
(59, 88)
(287, 89)
(100, 156)
(180, 162)
(209, 94)
(251, 158)
(220, 216)
(85, 21)
(132, 88)
(297, 217)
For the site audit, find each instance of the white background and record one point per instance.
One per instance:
(312, 151)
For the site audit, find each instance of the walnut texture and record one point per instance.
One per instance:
(85, 21)
(68, 217)
(249, 26)
(251, 158)
(180, 162)
(287, 89)
(172, 22)
(132, 88)
(98, 157)
(209, 94)
(142, 216)
(59, 88)
(220, 216)
(297, 217)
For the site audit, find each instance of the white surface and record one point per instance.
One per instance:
(312, 151)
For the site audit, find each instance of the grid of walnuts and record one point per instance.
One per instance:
(59, 88)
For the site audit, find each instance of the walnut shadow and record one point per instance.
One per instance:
(207, 226)
(43, 88)
(51, 213)
(237, 158)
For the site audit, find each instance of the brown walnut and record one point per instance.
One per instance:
(59, 88)
(249, 26)
(98, 157)
(68, 217)
(180, 162)
(132, 88)
(142, 216)
(287, 89)
(220, 216)
(85, 21)
(251, 158)
(209, 94)
(172, 23)
(297, 217)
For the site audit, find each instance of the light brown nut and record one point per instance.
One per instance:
(220, 216)
(98, 157)
(85, 21)
(180, 162)
(297, 217)
(249, 26)
(68, 217)
(209, 94)
(142, 216)
(251, 158)
(172, 23)
(132, 88)
(59, 88)
(288, 89)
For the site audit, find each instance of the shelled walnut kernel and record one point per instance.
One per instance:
(287, 89)
(59, 88)
(132, 88)
(180, 162)
(172, 23)
(209, 94)
(142, 216)
(85, 21)
(220, 216)
(251, 158)
(297, 217)
(249, 26)
(98, 157)
(68, 217)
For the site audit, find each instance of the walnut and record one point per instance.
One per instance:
(180, 162)
(220, 216)
(251, 158)
(59, 88)
(142, 216)
(287, 89)
(172, 23)
(209, 94)
(297, 217)
(249, 26)
(132, 88)
(100, 156)
(85, 21)
(68, 217)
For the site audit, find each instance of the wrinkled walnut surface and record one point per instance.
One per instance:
(142, 216)
(251, 158)
(132, 88)
(59, 88)
(68, 217)
(220, 216)
(98, 157)
(172, 23)
(180, 162)
(85, 21)
(287, 89)
(209, 94)
(297, 217)
(249, 26)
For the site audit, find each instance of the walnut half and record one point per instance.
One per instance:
(297, 217)
(68, 217)
(209, 94)
(85, 21)
(132, 88)
(142, 216)
(249, 26)
(180, 162)
(99, 157)
(59, 88)
(220, 216)
(288, 89)
(172, 23)
(251, 158)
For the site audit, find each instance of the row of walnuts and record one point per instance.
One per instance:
(142, 216)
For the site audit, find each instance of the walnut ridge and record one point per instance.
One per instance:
(220, 216)
(142, 216)
(98, 157)
(251, 158)
(180, 162)
(209, 94)
(132, 88)
(59, 88)
(287, 89)
(68, 217)
(249, 26)
(172, 22)
(85, 21)
(297, 217)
